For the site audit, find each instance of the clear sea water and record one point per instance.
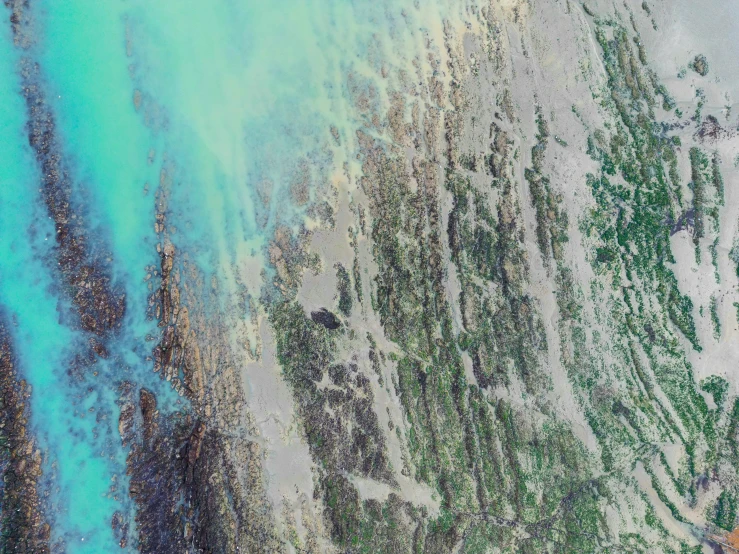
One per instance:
(236, 97)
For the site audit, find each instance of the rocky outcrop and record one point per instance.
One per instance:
(23, 527)
(196, 477)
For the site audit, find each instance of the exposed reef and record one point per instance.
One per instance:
(196, 475)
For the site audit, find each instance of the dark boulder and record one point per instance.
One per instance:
(325, 318)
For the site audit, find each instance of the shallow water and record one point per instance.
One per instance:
(235, 102)
(79, 475)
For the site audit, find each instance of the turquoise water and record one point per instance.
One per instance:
(81, 475)
(236, 100)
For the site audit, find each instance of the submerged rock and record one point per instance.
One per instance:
(23, 527)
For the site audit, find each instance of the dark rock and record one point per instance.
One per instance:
(685, 221)
(711, 131)
(700, 65)
(325, 318)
